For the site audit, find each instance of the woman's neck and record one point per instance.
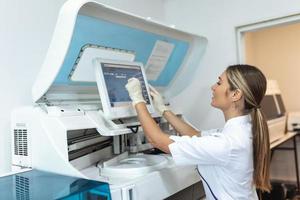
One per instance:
(232, 113)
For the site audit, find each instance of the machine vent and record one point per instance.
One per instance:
(21, 142)
(22, 188)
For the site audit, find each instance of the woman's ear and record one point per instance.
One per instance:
(237, 95)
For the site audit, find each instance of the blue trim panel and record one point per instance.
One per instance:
(89, 30)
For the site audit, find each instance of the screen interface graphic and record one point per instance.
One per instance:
(116, 77)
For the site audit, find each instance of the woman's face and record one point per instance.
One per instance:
(221, 93)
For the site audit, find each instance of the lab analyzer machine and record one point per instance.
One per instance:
(82, 122)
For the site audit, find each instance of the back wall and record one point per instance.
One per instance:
(276, 52)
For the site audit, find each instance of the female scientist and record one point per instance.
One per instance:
(232, 161)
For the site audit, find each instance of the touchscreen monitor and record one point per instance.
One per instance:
(112, 76)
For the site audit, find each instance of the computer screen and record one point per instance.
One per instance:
(269, 108)
(116, 77)
(280, 103)
(111, 77)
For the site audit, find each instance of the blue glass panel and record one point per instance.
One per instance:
(89, 30)
(37, 185)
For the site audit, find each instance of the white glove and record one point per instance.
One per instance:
(135, 91)
(158, 101)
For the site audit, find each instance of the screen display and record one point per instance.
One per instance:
(269, 108)
(280, 103)
(116, 77)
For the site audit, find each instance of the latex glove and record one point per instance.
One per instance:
(135, 91)
(158, 101)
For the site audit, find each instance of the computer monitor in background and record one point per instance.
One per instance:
(282, 110)
(111, 77)
(268, 105)
(272, 106)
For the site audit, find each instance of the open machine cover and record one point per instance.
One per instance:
(87, 29)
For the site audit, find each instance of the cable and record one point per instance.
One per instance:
(132, 128)
(157, 120)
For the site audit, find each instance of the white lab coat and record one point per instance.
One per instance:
(224, 158)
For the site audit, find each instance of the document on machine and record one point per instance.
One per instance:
(158, 59)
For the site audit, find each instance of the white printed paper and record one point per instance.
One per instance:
(158, 59)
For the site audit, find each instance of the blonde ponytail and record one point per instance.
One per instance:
(261, 151)
(252, 83)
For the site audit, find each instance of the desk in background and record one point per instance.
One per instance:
(275, 146)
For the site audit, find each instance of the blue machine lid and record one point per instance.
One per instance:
(37, 185)
(85, 24)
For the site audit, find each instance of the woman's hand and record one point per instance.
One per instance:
(158, 101)
(135, 91)
(153, 133)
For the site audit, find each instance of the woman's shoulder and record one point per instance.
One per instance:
(236, 128)
(211, 132)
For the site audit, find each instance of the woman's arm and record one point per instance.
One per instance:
(153, 133)
(179, 125)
